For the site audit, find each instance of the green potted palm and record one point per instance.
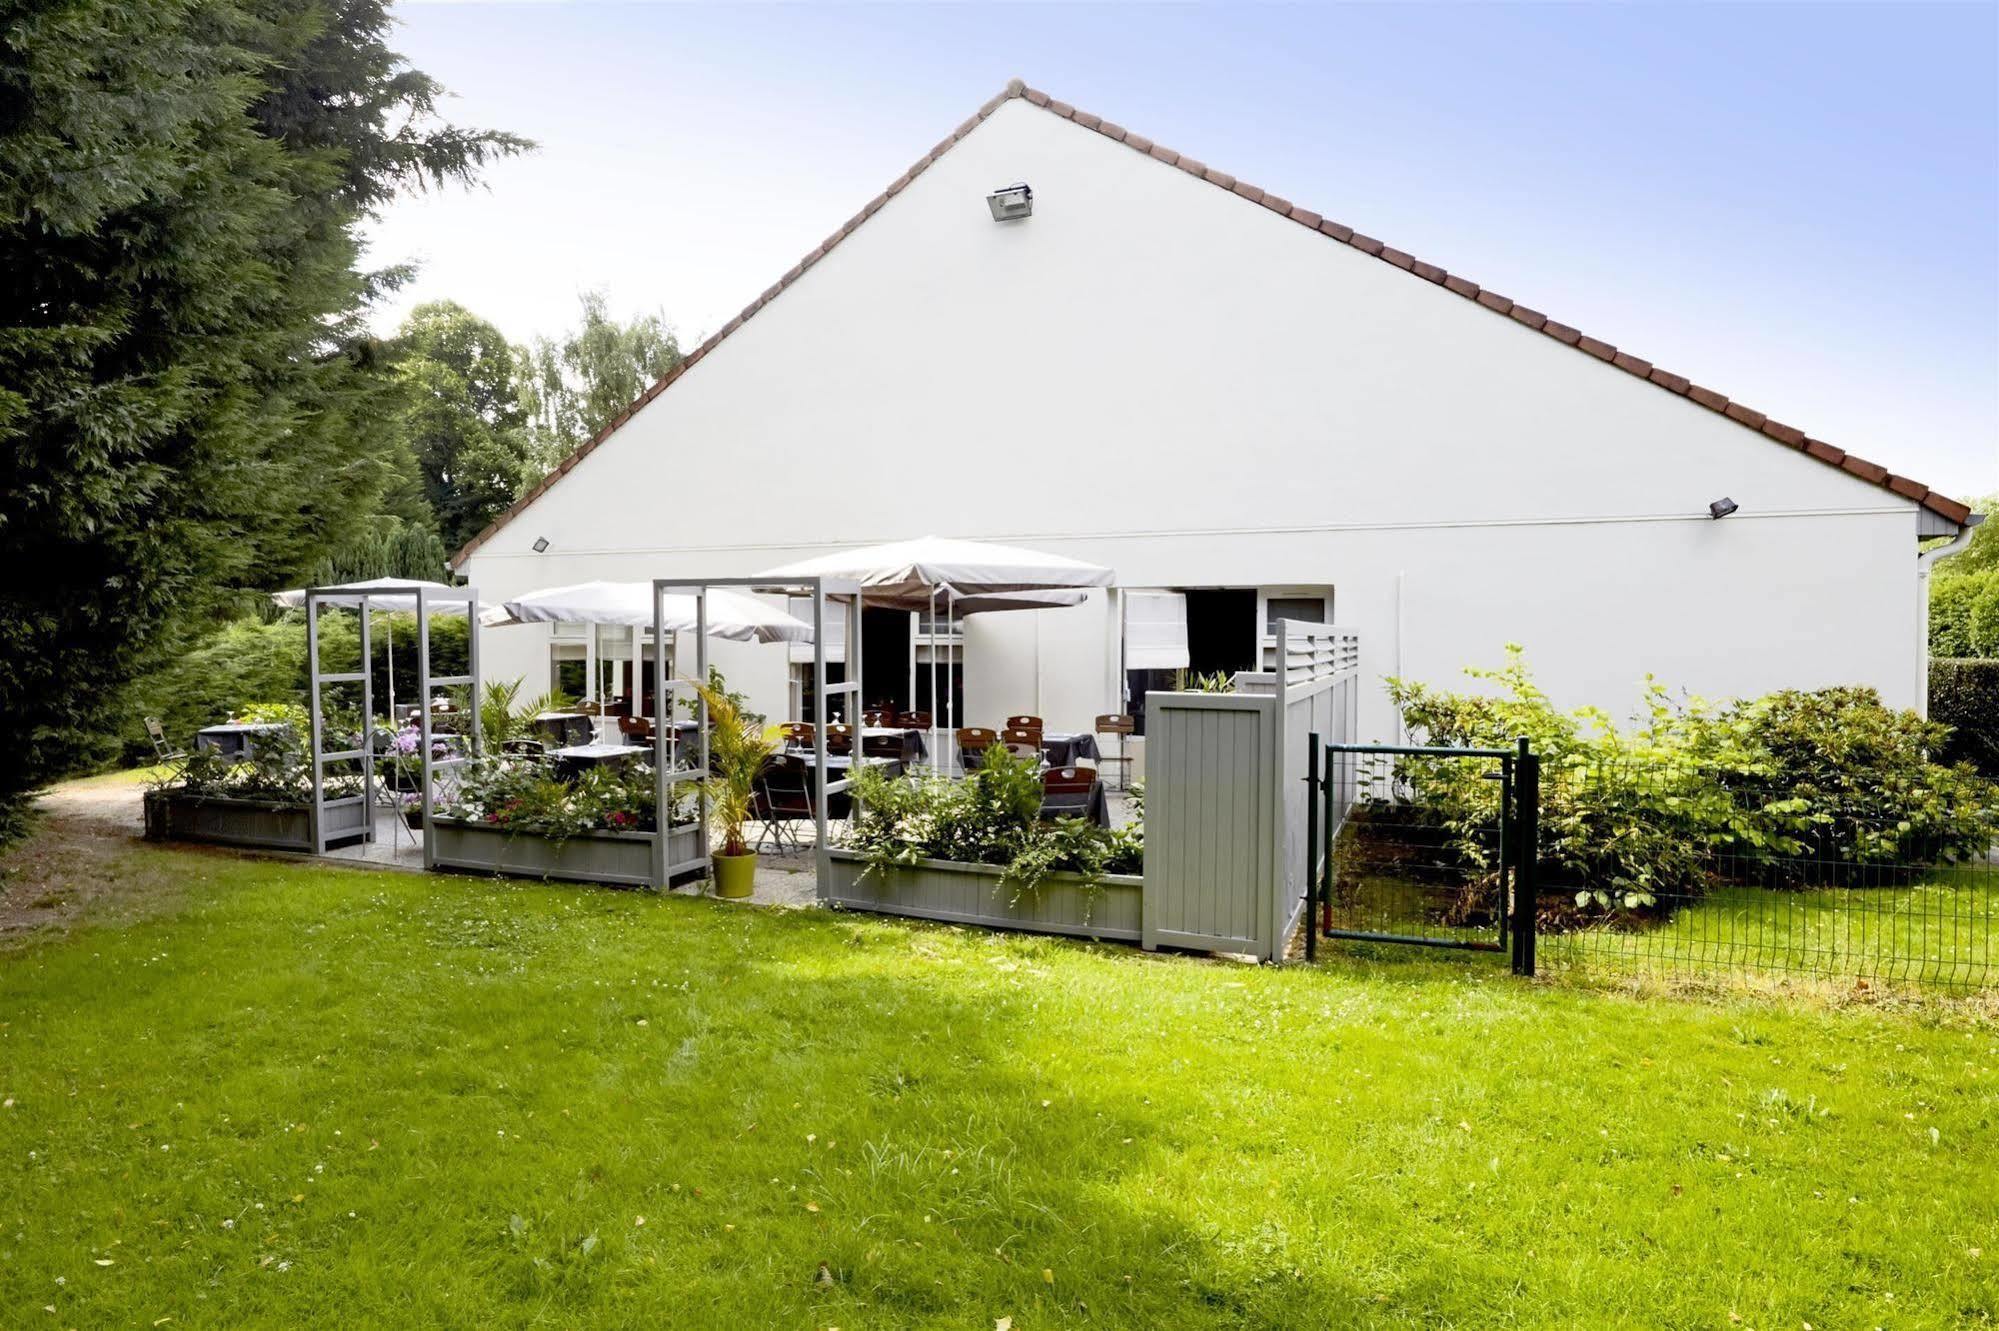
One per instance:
(738, 750)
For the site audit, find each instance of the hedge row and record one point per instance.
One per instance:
(1964, 695)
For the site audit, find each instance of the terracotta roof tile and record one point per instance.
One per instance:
(1949, 509)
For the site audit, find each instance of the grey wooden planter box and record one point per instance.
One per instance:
(624, 858)
(972, 894)
(174, 815)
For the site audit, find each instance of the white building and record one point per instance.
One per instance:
(1216, 392)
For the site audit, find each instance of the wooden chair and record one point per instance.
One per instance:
(798, 734)
(1123, 727)
(839, 737)
(1025, 722)
(1066, 791)
(1022, 742)
(636, 729)
(916, 721)
(973, 741)
(164, 752)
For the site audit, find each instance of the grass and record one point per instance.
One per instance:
(293, 1095)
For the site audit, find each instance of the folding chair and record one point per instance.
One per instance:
(839, 737)
(1122, 727)
(973, 741)
(164, 753)
(1025, 722)
(783, 798)
(1022, 742)
(1066, 791)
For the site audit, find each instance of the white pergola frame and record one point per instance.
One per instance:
(346, 598)
(425, 682)
(665, 690)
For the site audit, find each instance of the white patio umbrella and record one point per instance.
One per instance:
(733, 615)
(391, 594)
(912, 575)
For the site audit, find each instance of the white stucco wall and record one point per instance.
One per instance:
(1158, 375)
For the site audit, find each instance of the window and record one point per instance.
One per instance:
(1305, 609)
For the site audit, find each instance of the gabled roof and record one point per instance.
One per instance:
(1748, 417)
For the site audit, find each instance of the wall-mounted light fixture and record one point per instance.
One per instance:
(1010, 203)
(1722, 507)
(541, 543)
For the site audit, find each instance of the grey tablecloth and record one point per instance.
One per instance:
(563, 728)
(1063, 749)
(238, 739)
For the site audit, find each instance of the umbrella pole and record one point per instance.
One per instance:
(950, 693)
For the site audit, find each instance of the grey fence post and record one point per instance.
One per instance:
(1527, 834)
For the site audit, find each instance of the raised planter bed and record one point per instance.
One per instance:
(624, 858)
(174, 815)
(972, 894)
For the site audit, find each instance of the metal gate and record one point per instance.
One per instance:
(1455, 872)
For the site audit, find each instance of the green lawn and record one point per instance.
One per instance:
(283, 1095)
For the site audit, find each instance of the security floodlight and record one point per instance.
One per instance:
(1722, 507)
(541, 544)
(1010, 203)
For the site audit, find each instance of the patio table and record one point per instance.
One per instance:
(840, 804)
(563, 728)
(1060, 748)
(237, 739)
(572, 761)
(914, 750)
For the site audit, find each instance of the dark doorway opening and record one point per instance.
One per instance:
(1222, 632)
(885, 658)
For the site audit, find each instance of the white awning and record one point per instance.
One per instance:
(382, 594)
(1155, 631)
(731, 614)
(901, 575)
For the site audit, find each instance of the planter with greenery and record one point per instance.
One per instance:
(740, 746)
(513, 815)
(975, 850)
(262, 800)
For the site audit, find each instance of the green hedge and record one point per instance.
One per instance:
(1964, 695)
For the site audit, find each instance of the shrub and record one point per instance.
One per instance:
(524, 795)
(275, 769)
(1964, 695)
(1757, 787)
(991, 816)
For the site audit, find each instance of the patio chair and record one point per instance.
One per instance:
(1025, 722)
(839, 737)
(783, 798)
(636, 729)
(164, 752)
(798, 734)
(878, 716)
(916, 721)
(1022, 742)
(1066, 792)
(524, 748)
(1123, 727)
(973, 741)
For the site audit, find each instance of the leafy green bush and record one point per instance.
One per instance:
(991, 816)
(524, 795)
(1964, 695)
(1659, 809)
(275, 769)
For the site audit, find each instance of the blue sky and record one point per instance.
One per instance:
(1795, 204)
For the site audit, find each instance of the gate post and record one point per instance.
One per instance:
(1312, 846)
(1527, 838)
